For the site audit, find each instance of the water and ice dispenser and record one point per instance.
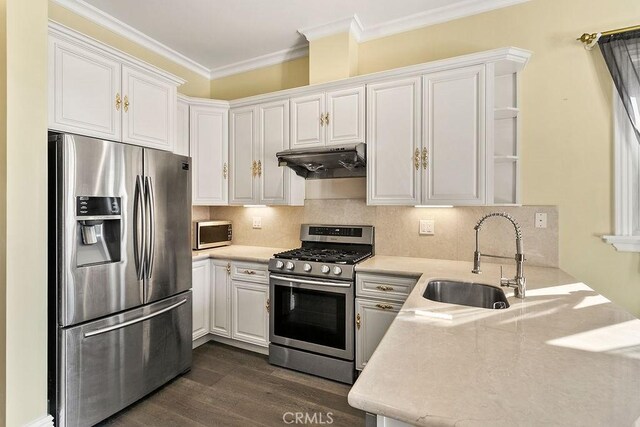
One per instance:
(98, 232)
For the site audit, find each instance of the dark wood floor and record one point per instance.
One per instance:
(232, 387)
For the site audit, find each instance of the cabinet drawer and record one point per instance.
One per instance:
(395, 288)
(252, 272)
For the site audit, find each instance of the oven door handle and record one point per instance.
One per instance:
(312, 282)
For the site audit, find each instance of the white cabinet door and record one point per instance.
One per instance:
(220, 298)
(242, 161)
(373, 318)
(454, 134)
(84, 89)
(182, 126)
(200, 287)
(307, 129)
(345, 116)
(250, 312)
(273, 136)
(209, 152)
(149, 110)
(393, 121)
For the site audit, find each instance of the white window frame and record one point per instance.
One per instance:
(627, 182)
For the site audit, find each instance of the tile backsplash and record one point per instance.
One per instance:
(397, 228)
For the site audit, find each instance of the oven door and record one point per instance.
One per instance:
(312, 315)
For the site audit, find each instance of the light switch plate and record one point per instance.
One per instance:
(541, 220)
(427, 227)
(257, 222)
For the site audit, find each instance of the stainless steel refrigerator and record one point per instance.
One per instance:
(119, 275)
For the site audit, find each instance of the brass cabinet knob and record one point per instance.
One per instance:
(321, 119)
(225, 170)
(249, 272)
(268, 305)
(358, 321)
(384, 306)
(126, 104)
(259, 168)
(416, 159)
(118, 102)
(326, 119)
(384, 288)
(228, 268)
(425, 158)
(254, 168)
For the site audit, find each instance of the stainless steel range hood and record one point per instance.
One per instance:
(340, 161)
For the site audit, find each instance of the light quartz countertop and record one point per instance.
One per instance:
(238, 253)
(564, 355)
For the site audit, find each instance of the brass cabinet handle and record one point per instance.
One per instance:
(254, 168)
(321, 119)
(268, 306)
(126, 104)
(228, 268)
(416, 159)
(326, 119)
(384, 306)
(358, 322)
(118, 101)
(384, 288)
(225, 170)
(259, 168)
(425, 158)
(249, 272)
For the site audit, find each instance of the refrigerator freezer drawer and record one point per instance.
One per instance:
(112, 362)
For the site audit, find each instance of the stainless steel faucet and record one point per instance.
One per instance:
(518, 283)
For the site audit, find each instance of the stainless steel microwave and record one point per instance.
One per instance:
(211, 234)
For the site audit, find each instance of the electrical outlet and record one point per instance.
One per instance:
(427, 227)
(257, 222)
(541, 220)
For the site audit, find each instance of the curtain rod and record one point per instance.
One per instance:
(591, 39)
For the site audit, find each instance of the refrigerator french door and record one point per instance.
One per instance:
(120, 275)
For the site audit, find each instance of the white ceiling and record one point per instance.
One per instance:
(224, 36)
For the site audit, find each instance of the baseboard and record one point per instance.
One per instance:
(46, 421)
(233, 343)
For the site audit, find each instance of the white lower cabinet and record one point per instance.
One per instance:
(373, 318)
(231, 300)
(220, 298)
(200, 296)
(250, 308)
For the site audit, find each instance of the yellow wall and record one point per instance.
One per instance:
(196, 84)
(26, 211)
(287, 75)
(566, 132)
(333, 58)
(3, 208)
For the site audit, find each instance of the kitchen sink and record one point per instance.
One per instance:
(466, 293)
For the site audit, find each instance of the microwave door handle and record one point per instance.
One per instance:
(139, 226)
(311, 282)
(151, 208)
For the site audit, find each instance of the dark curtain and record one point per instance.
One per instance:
(622, 54)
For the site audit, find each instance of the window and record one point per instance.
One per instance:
(627, 182)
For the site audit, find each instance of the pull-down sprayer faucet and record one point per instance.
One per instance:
(518, 283)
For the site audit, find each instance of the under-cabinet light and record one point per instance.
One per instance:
(255, 206)
(433, 206)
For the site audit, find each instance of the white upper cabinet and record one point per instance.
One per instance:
(149, 109)
(453, 157)
(182, 127)
(344, 118)
(243, 162)
(209, 142)
(334, 117)
(393, 143)
(85, 94)
(97, 91)
(307, 121)
(258, 133)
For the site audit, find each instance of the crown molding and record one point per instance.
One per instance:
(439, 15)
(352, 25)
(109, 22)
(259, 62)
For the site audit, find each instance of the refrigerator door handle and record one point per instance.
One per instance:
(151, 210)
(133, 321)
(139, 226)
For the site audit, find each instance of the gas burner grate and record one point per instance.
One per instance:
(336, 256)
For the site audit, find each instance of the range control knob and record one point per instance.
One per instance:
(325, 269)
(306, 267)
(289, 265)
(337, 271)
(279, 264)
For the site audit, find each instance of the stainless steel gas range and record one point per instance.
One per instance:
(311, 327)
